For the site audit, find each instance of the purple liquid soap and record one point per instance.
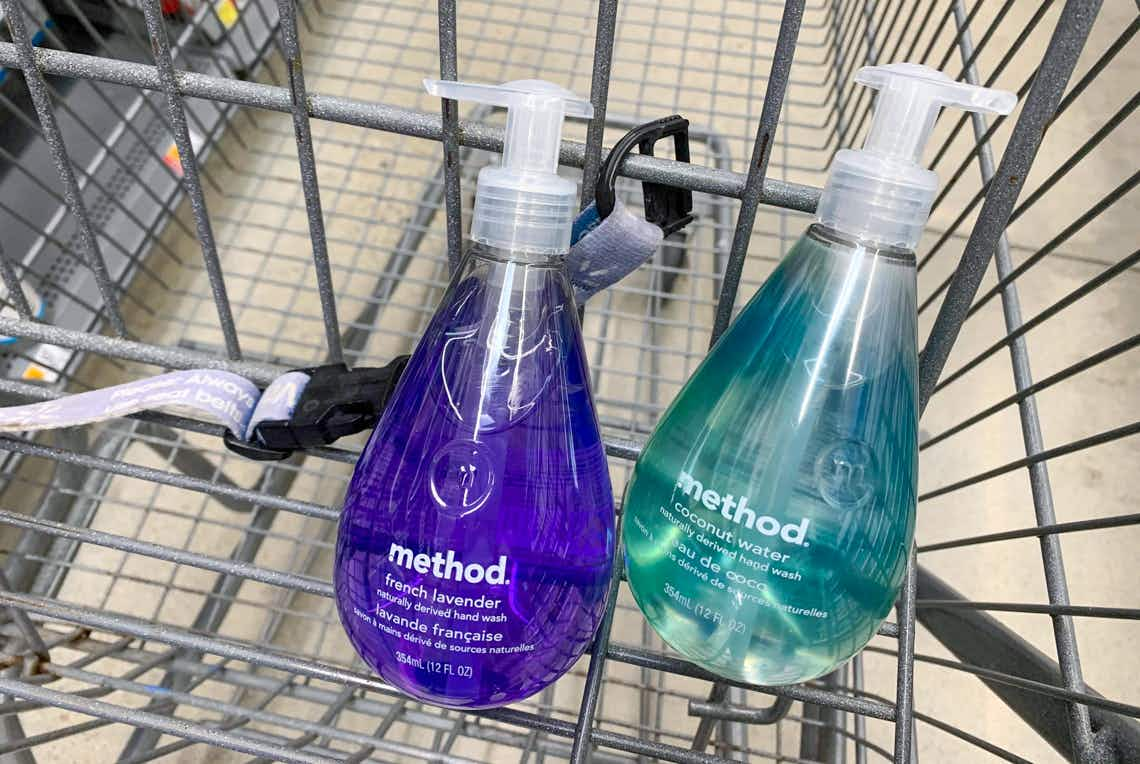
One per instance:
(476, 545)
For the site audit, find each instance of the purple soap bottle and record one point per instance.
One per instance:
(476, 545)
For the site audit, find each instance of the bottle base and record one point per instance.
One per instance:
(738, 671)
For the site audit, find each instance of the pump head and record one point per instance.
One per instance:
(524, 205)
(881, 192)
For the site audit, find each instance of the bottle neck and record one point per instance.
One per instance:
(836, 238)
(503, 255)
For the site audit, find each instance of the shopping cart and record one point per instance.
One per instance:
(177, 191)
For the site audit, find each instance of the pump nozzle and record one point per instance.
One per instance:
(523, 205)
(881, 192)
(910, 96)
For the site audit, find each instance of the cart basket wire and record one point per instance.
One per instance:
(257, 186)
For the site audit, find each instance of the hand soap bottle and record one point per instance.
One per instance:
(476, 545)
(769, 518)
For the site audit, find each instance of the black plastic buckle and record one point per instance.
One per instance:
(336, 402)
(668, 207)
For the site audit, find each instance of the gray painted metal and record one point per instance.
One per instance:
(853, 38)
(793, 196)
(1056, 583)
(758, 166)
(24, 58)
(1048, 86)
(291, 47)
(191, 177)
(449, 114)
(606, 28)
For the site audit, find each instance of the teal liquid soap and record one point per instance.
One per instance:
(768, 520)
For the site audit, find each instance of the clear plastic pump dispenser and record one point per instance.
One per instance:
(769, 518)
(882, 193)
(523, 205)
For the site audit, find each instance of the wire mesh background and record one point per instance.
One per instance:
(179, 595)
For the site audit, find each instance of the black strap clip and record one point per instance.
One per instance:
(668, 207)
(336, 402)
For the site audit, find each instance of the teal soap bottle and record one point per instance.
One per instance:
(768, 520)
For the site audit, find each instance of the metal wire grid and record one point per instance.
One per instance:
(117, 139)
(299, 703)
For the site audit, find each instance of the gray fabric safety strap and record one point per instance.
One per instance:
(220, 396)
(607, 250)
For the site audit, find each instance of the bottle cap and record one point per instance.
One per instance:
(524, 205)
(881, 192)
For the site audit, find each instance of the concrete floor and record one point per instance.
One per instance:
(708, 60)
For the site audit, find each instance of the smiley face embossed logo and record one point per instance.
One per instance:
(846, 474)
(462, 477)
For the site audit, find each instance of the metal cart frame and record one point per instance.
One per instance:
(853, 40)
